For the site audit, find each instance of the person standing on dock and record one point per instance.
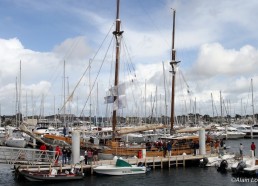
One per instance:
(95, 156)
(217, 146)
(148, 146)
(90, 155)
(57, 154)
(253, 147)
(64, 156)
(169, 148)
(196, 148)
(50, 149)
(241, 148)
(212, 147)
(69, 153)
(43, 149)
(86, 156)
(164, 149)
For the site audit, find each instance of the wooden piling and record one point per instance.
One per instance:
(153, 162)
(184, 161)
(169, 162)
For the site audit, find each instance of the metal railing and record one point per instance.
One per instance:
(29, 156)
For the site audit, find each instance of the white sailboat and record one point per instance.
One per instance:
(15, 136)
(16, 139)
(2, 135)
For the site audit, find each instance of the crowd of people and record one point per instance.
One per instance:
(90, 156)
(164, 146)
(65, 153)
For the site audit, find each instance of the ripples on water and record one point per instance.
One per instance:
(189, 176)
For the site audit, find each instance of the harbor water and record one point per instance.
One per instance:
(174, 176)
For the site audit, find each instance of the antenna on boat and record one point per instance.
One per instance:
(117, 33)
(173, 64)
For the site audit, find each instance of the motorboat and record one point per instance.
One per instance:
(216, 161)
(227, 132)
(120, 168)
(247, 166)
(249, 130)
(233, 133)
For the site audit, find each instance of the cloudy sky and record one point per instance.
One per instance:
(216, 42)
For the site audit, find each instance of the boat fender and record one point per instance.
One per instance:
(204, 162)
(140, 164)
(223, 166)
(72, 171)
(240, 166)
(54, 172)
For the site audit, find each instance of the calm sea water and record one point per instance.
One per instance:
(174, 176)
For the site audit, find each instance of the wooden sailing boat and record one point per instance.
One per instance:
(121, 149)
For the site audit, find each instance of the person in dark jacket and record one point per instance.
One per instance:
(64, 155)
(69, 154)
(169, 148)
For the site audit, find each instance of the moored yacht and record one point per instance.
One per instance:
(16, 139)
(2, 135)
(233, 133)
(247, 129)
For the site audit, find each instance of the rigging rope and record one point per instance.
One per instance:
(97, 75)
(71, 95)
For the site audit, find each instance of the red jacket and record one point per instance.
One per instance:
(58, 151)
(253, 146)
(43, 147)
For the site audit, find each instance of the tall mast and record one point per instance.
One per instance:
(145, 102)
(221, 110)
(117, 33)
(252, 107)
(64, 98)
(166, 109)
(16, 103)
(212, 105)
(173, 64)
(19, 101)
(90, 92)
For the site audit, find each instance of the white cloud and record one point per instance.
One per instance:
(215, 60)
(73, 49)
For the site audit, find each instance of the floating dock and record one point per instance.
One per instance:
(153, 162)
